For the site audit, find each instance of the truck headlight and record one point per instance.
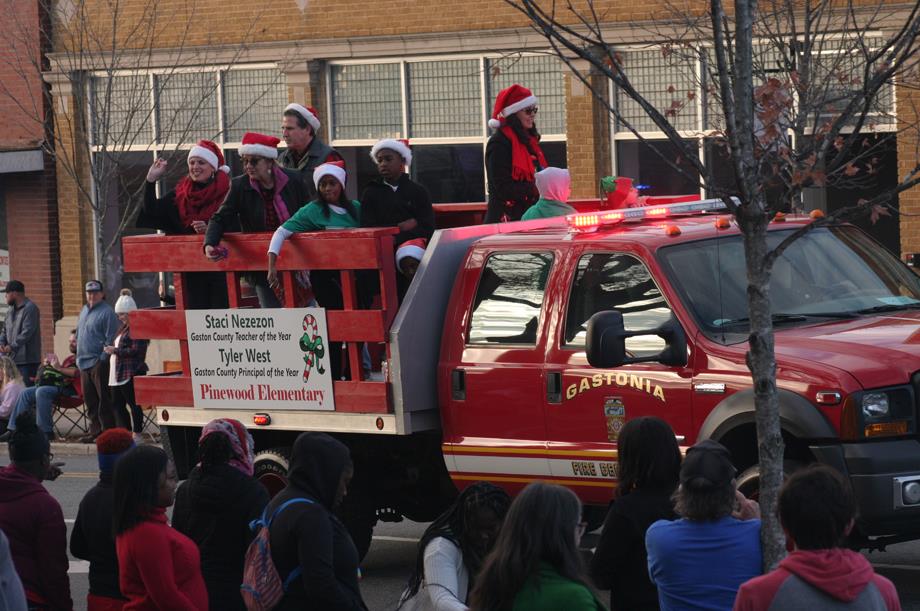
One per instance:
(875, 405)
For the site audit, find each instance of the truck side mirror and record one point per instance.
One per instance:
(606, 342)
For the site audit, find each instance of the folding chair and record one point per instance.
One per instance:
(63, 415)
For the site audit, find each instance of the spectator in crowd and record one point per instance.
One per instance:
(91, 538)
(649, 461)
(451, 551)
(305, 151)
(409, 255)
(700, 560)
(21, 337)
(187, 210)
(55, 380)
(33, 520)
(12, 596)
(159, 567)
(513, 155)
(11, 388)
(394, 200)
(307, 537)
(817, 510)
(262, 199)
(96, 328)
(215, 505)
(127, 358)
(554, 186)
(535, 564)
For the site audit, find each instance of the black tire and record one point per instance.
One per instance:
(271, 469)
(748, 482)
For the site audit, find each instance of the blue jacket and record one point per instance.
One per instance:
(96, 328)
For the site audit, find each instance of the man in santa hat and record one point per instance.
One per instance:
(305, 151)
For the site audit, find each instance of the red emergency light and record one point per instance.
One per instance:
(590, 221)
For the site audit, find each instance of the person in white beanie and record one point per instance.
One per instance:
(305, 151)
(555, 186)
(126, 359)
(187, 209)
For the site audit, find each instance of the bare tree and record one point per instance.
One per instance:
(796, 89)
(135, 85)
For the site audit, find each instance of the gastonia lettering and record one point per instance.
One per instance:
(604, 468)
(615, 378)
(238, 321)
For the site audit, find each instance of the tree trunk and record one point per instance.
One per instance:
(761, 361)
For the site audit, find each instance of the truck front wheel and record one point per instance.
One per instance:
(748, 482)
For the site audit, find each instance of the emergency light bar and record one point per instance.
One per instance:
(590, 221)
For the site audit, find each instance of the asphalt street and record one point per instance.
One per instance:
(392, 553)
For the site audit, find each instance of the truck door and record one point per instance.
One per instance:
(587, 407)
(494, 428)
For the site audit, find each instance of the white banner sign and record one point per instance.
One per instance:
(260, 359)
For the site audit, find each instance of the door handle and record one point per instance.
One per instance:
(458, 385)
(554, 387)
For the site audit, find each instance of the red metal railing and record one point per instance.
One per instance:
(346, 251)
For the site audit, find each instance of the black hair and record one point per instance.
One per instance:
(28, 443)
(649, 456)
(301, 121)
(816, 506)
(524, 135)
(540, 527)
(215, 450)
(136, 486)
(454, 525)
(343, 202)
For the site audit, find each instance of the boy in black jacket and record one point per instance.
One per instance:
(393, 200)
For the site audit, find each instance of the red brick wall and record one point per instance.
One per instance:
(21, 103)
(32, 229)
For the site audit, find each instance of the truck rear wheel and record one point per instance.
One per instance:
(271, 469)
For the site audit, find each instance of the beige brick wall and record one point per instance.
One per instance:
(588, 137)
(908, 102)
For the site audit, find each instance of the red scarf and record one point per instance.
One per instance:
(198, 204)
(522, 162)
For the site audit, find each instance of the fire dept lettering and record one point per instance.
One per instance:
(582, 468)
(615, 378)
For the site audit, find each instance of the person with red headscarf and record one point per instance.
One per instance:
(513, 155)
(188, 209)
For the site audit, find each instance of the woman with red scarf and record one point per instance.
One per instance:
(513, 155)
(188, 210)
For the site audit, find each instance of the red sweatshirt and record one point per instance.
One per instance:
(160, 568)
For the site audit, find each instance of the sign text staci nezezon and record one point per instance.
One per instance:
(260, 359)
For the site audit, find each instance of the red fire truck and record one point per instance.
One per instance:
(521, 349)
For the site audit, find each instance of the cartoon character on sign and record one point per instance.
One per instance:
(312, 344)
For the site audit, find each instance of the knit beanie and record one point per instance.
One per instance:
(28, 443)
(110, 445)
(125, 303)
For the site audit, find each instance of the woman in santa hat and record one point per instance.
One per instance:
(187, 209)
(513, 155)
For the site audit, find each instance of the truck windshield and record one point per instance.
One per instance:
(831, 272)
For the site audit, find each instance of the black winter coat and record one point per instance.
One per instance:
(620, 562)
(309, 535)
(506, 196)
(381, 206)
(214, 508)
(91, 538)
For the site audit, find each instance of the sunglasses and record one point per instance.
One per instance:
(532, 110)
(253, 161)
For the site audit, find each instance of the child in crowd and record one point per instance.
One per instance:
(12, 387)
(555, 186)
(409, 255)
(535, 564)
(649, 471)
(452, 549)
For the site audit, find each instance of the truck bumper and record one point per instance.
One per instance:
(879, 472)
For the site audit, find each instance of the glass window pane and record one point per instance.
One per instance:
(366, 101)
(606, 281)
(450, 172)
(509, 299)
(668, 82)
(121, 110)
(253, 100)
(444, 99)
(555, 153)
(543, 75)
(187, 107)
(649, 164)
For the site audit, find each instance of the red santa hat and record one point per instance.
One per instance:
(509, 101)
(401, 146)
(211, 153)
(336, 169)
(307, 112)
(412, 248)
(260, 144)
